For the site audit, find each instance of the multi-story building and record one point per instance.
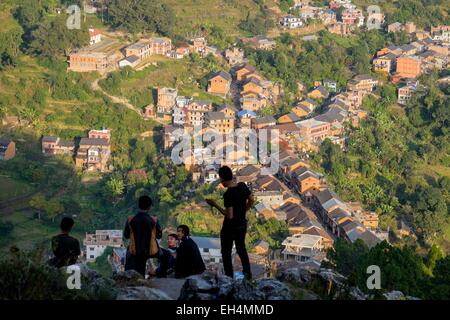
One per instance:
(405, 93)
(97, 242)
(196, 112)
(234, 55)
(219, 83)
(100, 134)
(291, 22)
(364, 83)
(166, 99)
(95, 36)
(93, 154)
(408, 67)
(85, 61)
(384, 63)
(302, 247)
(314, 130)
(220, 122)
(54, 145)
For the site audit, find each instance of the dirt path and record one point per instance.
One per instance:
(120, 100)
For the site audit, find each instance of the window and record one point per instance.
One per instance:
(92, 256)
(205, 249)
(91, 249)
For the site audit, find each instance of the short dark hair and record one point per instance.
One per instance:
(145, 202)
(173, 235)
(225, 173)
(67, 224)
(184, 228)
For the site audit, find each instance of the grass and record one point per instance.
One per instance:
(167, 73)
(191, 14)
(10, 188)
(8, 22)
(29, 231)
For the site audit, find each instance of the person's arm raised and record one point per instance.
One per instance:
(214, 204)
(250, 202)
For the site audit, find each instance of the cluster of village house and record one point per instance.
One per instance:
(351, 16)
(404, 64)
(93, 153)
(105, 54)
(295, 131)
(315, 215)
(297, 195)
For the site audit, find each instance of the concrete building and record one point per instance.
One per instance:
(97, 242)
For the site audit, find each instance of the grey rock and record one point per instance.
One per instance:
(210, 286)
(141, 293)
(332, 276)
(356, 294)
(244, 290)
(394, 295)
(127, 278)
(273, 289)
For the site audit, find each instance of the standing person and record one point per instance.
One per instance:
(189, 260)
(65, 248)
(139, 230)
(237, 200)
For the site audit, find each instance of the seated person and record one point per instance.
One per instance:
(167, 257)
(189, 261)
(65, 248)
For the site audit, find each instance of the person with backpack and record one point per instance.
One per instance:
(66, 249)
(143, 231)
(237, 200)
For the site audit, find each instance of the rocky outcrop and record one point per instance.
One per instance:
(323, 283)
(398, 295)
(291, 282)
(141, 293)
(209, 286)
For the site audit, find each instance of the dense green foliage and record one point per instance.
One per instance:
(259, 23)
(425, 13)
(401, 268)
(45, 35)
(10, 42)
(141, 16)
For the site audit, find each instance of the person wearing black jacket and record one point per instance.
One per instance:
(139, 229)
(65, 248)
(189, 260)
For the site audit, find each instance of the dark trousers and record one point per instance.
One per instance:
(236, 234)
(137, 263)
(166, 263)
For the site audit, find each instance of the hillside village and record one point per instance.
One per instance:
(298, 194)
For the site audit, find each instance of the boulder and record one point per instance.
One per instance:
(273, 289)
(209, 286)
(127, 278)
(141, 293)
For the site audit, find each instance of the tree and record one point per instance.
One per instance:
(53, 209)
(430, 212)
(141, 16)
(115, 188)
(347, 256)
(38, 203)
(52, 38)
